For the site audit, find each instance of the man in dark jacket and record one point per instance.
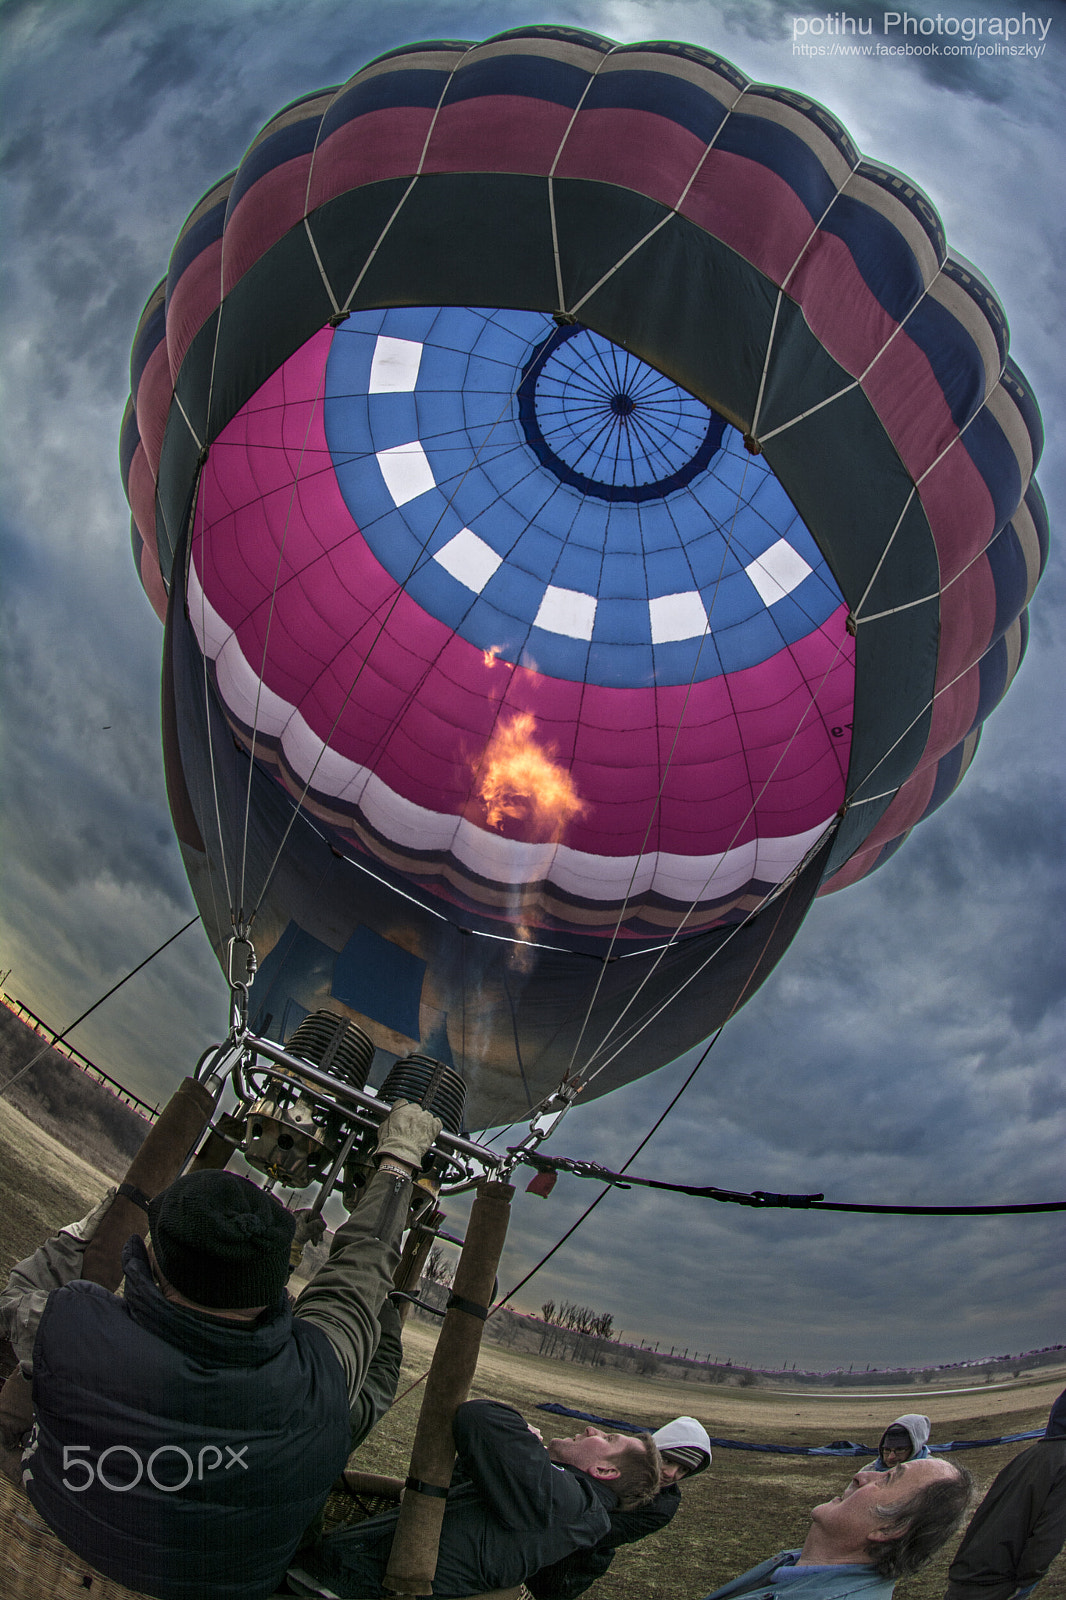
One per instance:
(685, 1449)
(1020, 1525)
(514, 1506)
(186, 1434)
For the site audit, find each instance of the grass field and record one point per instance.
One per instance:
(748, 1505)
(745, 1508)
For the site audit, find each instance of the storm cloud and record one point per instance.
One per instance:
(909, 1049)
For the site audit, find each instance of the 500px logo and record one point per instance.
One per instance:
(125, 1467)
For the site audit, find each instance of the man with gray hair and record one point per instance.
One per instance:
(884, 1526)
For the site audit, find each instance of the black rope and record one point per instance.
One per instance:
(944, 1211)
(766, 1197)
(60, 1037)
(712, 1041)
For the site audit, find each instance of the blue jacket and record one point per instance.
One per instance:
(819, 1583)
(177, 1452)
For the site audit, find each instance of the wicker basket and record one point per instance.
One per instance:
(35, 1565)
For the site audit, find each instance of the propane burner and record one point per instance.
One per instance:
(294, 1134)
(321, 1126)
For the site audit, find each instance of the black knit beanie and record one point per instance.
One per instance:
(221, 1240)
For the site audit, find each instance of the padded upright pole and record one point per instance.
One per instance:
(414, 1256)
(156, 1164)
(413, 1560)
(222, 1139)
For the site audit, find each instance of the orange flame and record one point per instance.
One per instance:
(491, 655)
(519, 779)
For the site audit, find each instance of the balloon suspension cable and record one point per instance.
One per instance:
(545, 1118)
(420, 556)
(241, 967)
(583, 1074)
(544, 1180)
(548, 1115)
(657, 802)
(551, 1111)
(640, 1024)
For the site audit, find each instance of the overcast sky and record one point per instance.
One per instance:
(911, 1046)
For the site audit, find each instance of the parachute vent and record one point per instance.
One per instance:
(335, 1045)
(431, 1084)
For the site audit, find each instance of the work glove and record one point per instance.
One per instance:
(309, 1229)
(407, 1133)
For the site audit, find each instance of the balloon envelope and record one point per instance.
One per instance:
(593, 514)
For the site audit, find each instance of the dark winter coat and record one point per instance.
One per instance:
(510, 1511)
(1020, 1525)
(179, 1453)
(571, 1576)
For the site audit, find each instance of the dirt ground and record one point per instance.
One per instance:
(745, 1508)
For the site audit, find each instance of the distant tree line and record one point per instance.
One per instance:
(576, 1331)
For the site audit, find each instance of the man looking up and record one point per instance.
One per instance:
(883, 1527)
(514, 1506)
(685, 1450)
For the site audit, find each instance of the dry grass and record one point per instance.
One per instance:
(42, 1185)
(748, 1505)
(58, 1098)
(745, 1508)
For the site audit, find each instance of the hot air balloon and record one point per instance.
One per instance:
(593, 514)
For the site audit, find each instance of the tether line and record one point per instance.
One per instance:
(653, 1130)
(61, 1037)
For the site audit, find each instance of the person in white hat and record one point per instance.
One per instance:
(685, 1449)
